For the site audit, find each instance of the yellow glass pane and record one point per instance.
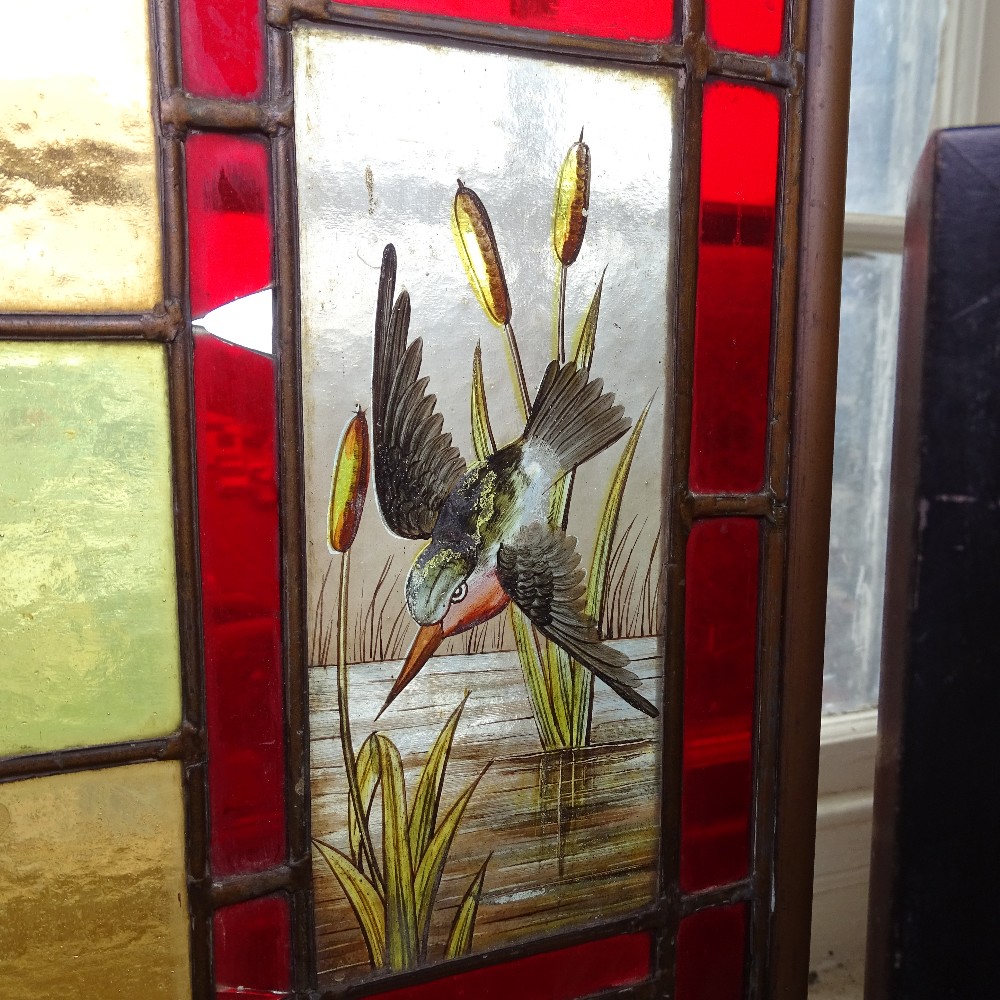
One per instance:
(92, 886)
(88, 605)
(79, 217)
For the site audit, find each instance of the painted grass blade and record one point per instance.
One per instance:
(397, 865)
(597, 578)
(586, 336)
(534, 679)
(464, 926)
(423, 812)
(431, 867)
(482, 433)
(363, 898)
(369, 777)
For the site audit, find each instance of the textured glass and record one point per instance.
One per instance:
(79, 213)
(93, 887)
(222, 47)
(252, 943)
(568, 974)
(638, 20)
(893, 77)
(732, 352)
(745, 25)
(720, 659)
(88, 606)
(229, 219)
(230, 238)
(711, 955)
(573, 833)
(869, 320)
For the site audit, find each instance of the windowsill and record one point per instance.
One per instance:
(843, 844)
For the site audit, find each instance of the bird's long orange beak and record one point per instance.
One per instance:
(426, 641)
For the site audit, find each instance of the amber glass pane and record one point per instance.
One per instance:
(88, 606)
(79, 217)
(732, 352)
(720, 657)
(711, 954)
(93, 887)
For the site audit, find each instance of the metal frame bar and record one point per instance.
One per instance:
(794, 535)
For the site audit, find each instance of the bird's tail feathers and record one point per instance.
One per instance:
(573, 416)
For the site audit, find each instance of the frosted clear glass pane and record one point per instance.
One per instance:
(79, 216)
(892, 97)
(88, 606)
(93, 887)
(862, 452)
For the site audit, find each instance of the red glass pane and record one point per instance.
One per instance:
(711, 954)
(732, 351)
(238, 526)
(752, 26)
(229, 225)
(567, 974)
(720, 656)
(252, 945)
(222, 47)
(640, 20)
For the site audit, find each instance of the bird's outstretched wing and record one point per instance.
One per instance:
(416, 464)
(540, 571)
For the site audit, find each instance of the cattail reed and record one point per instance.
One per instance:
(349, 485)
(569, 224)
(477, 248)
(348, 489)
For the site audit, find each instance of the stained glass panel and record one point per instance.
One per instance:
(720, 658)
(739, 169)
(88, 609)
(93, 885)
(544, 224)
(752, 26)
(252, 943)
(79, 209)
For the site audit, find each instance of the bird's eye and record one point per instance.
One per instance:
(460, 593)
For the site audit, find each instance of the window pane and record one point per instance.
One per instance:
(222, 45)
(252, 944)
(865, 395)
(93, 885)
(732, 352)
(639, 19)
(745, 25)
(79, 216)
(88, 609)
(711, 959)
(720, 661)
(892, 95)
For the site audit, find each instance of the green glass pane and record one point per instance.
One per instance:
(79, 216)
(92, 886)
(88, 605)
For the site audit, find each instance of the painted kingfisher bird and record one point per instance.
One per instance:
(489, 538)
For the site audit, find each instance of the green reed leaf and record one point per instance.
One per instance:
(428, 878)
(424, 810)
(534, 679)
(368, 782)
(397, 864)
(482, 433)
(364, 900)
(464, 925)
(597, 579)
(586, 337)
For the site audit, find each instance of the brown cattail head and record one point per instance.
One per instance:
(477, 246)
(350, 484)
(569, 219)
